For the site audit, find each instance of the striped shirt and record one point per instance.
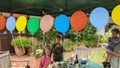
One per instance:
(113, 41)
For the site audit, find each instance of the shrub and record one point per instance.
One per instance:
(68, 46)
(87, 43)
(105, 38)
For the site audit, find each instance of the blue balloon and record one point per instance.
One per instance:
(99, 17)
(62, 23)
(10, 25)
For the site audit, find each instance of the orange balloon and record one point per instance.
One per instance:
(2, 23)
(78, 20)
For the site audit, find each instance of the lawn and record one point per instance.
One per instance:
(98, 55)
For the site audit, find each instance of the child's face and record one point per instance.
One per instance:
(114, 33)
(47, 51)
(58, 40)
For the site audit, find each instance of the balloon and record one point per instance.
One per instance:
(2, 23)
(46, 23)
(116, 15)
(21, 23)
(33, 25)
(78, 20)
(62, 23)
(10, 24)
(99, 17)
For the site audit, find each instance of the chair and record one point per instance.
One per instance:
(5, 61)
(83, 53)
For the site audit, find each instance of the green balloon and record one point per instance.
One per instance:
(33, 25)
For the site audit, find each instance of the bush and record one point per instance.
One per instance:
(68, 46)
(105, 38)
(87, 43)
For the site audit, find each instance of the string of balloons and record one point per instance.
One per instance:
(99, 17)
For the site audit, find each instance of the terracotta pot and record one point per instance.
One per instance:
(31, 53)
(19, 51)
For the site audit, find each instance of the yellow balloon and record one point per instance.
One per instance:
(21, 23)
(116, 15)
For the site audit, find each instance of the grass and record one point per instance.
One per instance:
(98, 55)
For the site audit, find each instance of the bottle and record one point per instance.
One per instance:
(27, 66)
(76, 59)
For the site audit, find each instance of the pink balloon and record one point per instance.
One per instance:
(46, 23)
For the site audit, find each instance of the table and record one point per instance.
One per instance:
(90, 64)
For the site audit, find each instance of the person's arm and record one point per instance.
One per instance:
(115, 53)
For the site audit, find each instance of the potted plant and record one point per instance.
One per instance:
(31, 51)
(32, 48)
(20, 44)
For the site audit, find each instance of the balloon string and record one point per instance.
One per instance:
(83, 35)
(43, 41)
(32, 44)
(97, 48)
(14, 42)
(63, 40)
(76, 43)
(77, 38)
(21, 43)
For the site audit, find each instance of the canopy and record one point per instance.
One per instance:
(54, 7)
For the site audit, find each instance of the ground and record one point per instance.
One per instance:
(97, 55)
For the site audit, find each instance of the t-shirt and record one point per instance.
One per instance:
(115, 60)
(57, 52)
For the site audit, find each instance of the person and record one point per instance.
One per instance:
(45, 59)
(57, 49)
(112, 43)
(115, 59)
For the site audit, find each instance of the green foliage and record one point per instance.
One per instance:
(87, 43)
(49, 36)
(105, 38)
(39, 52)
(32, 49)
(87, 34)
(63, 63)
(20, 42)
(38, 55)
(98, 55)
(68, 46)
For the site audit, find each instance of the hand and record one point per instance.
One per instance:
(58, 45)
(111, 53)
(108, 51)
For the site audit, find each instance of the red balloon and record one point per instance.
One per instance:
(78, 20)
(2, 23)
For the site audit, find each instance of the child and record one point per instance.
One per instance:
(112, 43)
(45, 59)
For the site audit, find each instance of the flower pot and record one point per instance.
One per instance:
(31, 53)
(19, 51)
